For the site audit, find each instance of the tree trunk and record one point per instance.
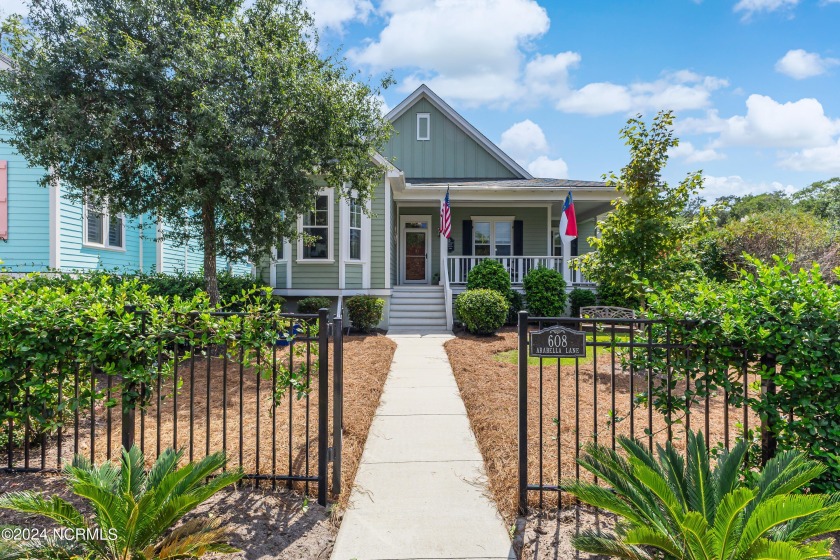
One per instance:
(208, 218)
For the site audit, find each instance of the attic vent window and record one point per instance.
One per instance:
(424, 127)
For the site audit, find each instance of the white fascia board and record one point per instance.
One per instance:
(481, 194)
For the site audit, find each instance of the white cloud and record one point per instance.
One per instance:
(750, 7)
(333, 14)
(525, 142)
(678, 91)
(824, 159)
(467, 50)
(768, 123)
(800, 64)
(689, 153)
(524, 139)
(548, 75)
(716, 187)
(546, 167)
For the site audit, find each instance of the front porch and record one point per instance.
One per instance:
(458, 268)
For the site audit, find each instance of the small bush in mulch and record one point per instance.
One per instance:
(489, 275)
(482, 311)
(365, 312)
(580, 297)
(311, 305)
(545, 292)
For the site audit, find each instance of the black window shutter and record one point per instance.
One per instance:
(518, 241)
(466, 247)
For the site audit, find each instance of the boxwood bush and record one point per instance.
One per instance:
(489, 275)
(483, 312)
(516, 303)
(581, 297)
(545, 292)
(365, 312)
(313, 304)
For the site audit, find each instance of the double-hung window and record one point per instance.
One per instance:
(316, 227)
(355, 229)
(493, 237)
(103, 229)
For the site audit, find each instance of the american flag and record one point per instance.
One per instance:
(445, 216)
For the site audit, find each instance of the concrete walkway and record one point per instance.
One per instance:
(421, 487)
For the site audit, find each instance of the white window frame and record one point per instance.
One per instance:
(492, 220)
(428, 118)
(351, 227)
(106, 228)
(330, 194)
(555, 233)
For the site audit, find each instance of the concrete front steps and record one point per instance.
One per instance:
(417, 307)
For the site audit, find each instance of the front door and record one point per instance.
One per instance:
(416, 253)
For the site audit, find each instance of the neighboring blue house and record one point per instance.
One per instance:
(41, 230)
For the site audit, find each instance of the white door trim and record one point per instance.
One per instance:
(428, 232)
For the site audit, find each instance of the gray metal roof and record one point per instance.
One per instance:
(507, 183)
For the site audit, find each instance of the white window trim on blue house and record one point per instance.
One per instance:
(428, 126)
(344, 224)
(106, 228)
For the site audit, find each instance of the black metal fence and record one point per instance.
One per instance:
(268, 410)
(610, 389)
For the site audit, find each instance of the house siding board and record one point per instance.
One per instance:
(449, 153)
(281, 274)
(28, 245)
(353, 277)
(378, 237)
(585, 231)
(534, 223)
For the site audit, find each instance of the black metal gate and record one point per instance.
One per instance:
(567, 403)
(201, 399)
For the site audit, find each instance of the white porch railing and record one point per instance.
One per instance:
(458, 268)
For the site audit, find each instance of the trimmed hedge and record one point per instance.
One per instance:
(365, 312)
(581, 297)
(489, 275)
(545, 292)
(516, 303)
(483, 312)
(311, 305)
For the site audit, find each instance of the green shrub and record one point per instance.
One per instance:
(489, 275)
(580, 297)
(132, 508)
(365, 312)
(515, 304)
(545, 292)
(311, 305)
(680, 508)
(482, 311)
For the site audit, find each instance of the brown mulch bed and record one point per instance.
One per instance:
(489, 389)
(266, 450)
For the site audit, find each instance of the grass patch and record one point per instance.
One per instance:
(512, 356)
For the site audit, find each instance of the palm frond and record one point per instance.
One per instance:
(821, 523)
(729, 520)
(602, 498)
(132, 472)
(698, 538)
(193, 539)
(47, 549)
(656, 483)
(646, 536)
(608, 545)
(674, 466)
(817, 549)
(765, 549)
(776, 511)
(727, 472)
(165, 464)
(701, 492)
(55, 508)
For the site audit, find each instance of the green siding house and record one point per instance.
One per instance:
(394, 249)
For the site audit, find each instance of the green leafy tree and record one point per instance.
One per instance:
(680, 508)
(222, 121)
(133, 510)
(643, 237)
(822, 199)
(733, 208)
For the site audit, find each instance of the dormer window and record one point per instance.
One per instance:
(424, 127)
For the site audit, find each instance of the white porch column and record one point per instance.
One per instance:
(444, 252)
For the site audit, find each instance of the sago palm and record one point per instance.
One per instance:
(132, 510)
(675, 507)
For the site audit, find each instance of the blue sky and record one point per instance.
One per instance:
(754, 83)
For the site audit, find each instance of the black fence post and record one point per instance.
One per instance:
(523, 412)
(129, 408)
(769, 443)
(338, 402)
(323, 402)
